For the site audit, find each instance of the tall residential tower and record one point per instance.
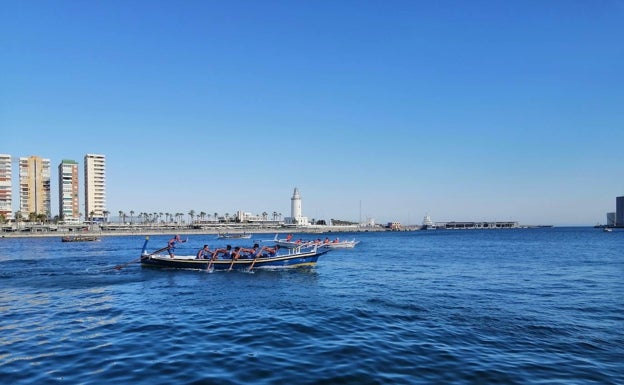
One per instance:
(6, 187)
(69, 210)
(34, 176)
(619, 211)
(95, 186)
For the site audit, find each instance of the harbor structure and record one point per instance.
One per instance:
(477, 225)
(6, 187)
(619, 211)
(296, 214)
(68, 189)
(95, 186)
(34, 176)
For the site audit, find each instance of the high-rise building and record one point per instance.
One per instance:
(619, 211)
(6, 187)
(69, 210)
(34, 175)
(95, 186)
(610, 219)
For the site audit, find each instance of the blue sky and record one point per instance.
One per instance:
(465, 110)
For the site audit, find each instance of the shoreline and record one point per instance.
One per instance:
(181, 231)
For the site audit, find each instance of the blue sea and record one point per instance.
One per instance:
(515, 306)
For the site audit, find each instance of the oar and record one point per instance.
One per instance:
(119, 267)
(258, 254)
(235, 256)
(214, 256)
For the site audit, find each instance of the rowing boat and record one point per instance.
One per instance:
(335, 244)
(80, 238)
(234, 236)
(290, 258)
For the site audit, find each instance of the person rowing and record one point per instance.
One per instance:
(270, 251)
(226, 253)
(249, 253)
(204, 253)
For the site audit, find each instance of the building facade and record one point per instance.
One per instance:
(6, 187)
(69, 209)
(34, 176)
(619, 211)
(610, 219)
(95, 186)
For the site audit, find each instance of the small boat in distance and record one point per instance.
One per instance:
(80, 238)
(607, 229)
(234, 236)
(289, 243)
(427, 224)
(340, 244)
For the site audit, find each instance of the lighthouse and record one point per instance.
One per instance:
(296, 216)
(295, 204)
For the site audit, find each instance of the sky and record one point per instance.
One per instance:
(383, 110)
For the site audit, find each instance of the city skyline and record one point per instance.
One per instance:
(462, 111)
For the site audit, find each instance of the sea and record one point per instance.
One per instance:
(507, 306)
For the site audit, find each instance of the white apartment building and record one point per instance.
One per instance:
(95, 186)
(6, 187)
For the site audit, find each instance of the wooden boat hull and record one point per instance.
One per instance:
(294, 260)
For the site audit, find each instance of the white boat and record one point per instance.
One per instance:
(289, 243)
(340, 244)
(607, 229)
(234, 236)
(427, 224)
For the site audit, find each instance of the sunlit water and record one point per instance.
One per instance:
(465, 306)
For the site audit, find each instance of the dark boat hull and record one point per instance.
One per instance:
(80, 238)
(281, 261)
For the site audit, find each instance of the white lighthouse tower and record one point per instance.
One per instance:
(296, 217)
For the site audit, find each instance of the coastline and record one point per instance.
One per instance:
(139, 231)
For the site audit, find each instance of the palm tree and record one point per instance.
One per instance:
(216, 216)
(131, 215)
(120, 215)
(274, 215)
(264, 215)
(192, 215)
(91, 215)
(105, 212)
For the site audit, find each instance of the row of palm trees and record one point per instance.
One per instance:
(178, 218)
(143, 217)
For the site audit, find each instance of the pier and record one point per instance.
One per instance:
(477, 225)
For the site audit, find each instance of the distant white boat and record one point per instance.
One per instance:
(607, 229)
(234, 236)
(428, 224)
